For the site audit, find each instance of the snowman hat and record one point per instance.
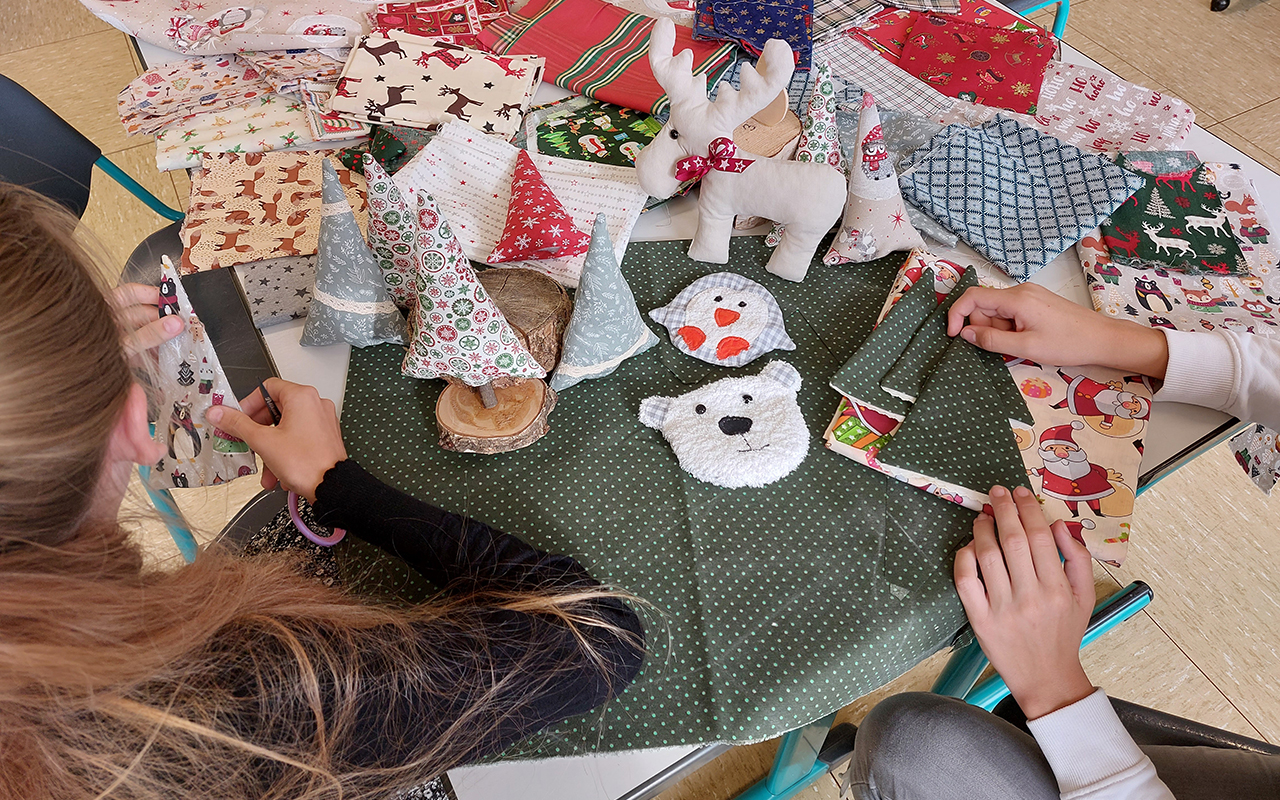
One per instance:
(1061, 434)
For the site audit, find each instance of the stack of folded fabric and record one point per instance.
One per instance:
(750, 24)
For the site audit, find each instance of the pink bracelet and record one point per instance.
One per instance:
(330, 541)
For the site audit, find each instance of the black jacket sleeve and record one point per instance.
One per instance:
(533, 669)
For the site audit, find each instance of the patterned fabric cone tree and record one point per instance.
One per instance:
(456, 331)
(391, 234)
(537, 224)
(350, 301)
(819, 135)
(606, 327)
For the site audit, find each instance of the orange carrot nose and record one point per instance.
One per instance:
(726, 317)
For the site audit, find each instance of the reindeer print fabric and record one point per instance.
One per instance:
(470, 176)
(418, 82)
(252, 207)
(1175, 220)
(190, 381)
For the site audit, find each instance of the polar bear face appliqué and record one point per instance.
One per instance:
(735, 432)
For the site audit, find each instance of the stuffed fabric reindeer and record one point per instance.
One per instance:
(698, 142)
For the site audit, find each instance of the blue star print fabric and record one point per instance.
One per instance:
(1018, 196)
(751, 24)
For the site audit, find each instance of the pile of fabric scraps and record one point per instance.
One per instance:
(954, 420)
(1194, 252)
(750, 24)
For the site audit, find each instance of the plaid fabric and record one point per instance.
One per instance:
(940, 6)
(835, 16)
(891, 86)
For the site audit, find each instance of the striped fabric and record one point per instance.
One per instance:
(598, 50)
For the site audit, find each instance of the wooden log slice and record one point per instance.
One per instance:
(518, 420)
(537, 307)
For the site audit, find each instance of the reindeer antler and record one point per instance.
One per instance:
(674, 72)
(757, 88)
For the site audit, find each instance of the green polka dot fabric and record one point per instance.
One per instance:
(767, 608)
(958, 430)
(927, 346)
(860, 377)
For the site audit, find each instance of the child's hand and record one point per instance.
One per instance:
(137, 309)
(301, 448)
(1029, 321)
(1028, 609)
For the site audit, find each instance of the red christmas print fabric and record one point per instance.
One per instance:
(989, 66)
(537, 224)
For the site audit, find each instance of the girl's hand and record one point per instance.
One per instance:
(137, 307)
(1029, 321)
(1028, 608)
(298, 451)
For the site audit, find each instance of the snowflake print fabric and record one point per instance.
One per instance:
(537, 224)
(819, 134)
(190, 381)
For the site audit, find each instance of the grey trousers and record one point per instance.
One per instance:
(927, 747)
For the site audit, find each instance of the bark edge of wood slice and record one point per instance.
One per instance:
(536, 307)
(518, 420)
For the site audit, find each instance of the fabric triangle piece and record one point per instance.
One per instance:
(455, 329)
(606, 327)
(190, 381)
(875, 219)
(349, 302)
(819, 135)
(537, 224)
(958, 431)
(391, 234)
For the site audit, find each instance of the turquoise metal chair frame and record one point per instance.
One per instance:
(1027, 7)
(137, 190)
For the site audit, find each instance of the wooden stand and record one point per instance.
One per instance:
(517, 420)
(537, 307)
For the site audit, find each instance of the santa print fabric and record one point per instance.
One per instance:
(606, 327)
(751, 24)
(419, 82)
(991, 67)
(599, 50)
(470, 176)
(350, 302)
(537, 224)
(257, 206)
(1175, 220)
(1085, 425)
(190, 381)
(875, 220)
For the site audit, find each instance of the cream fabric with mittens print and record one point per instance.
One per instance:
(190, 381)
(735, 432)
(470, 174)
(418, 82)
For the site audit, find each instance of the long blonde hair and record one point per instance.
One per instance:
(227, 678)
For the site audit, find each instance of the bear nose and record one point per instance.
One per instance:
(732, 426)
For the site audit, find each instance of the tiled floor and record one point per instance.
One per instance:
(1206, 541)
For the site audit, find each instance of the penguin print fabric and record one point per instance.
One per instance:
(724, 319)
(191, 381)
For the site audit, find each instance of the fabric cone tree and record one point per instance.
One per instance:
(391, 234)
(819, 136)
(875, 220)
(606, 327)
(350, 302)
(455, 329)
(537, 224)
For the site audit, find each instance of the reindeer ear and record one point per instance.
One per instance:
(662, 41)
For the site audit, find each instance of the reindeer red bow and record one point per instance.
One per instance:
(720, 156)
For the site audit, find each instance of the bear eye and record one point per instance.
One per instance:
(699, 409)
(675, 134)
(746, 398)
(742, 304)
(719, 297)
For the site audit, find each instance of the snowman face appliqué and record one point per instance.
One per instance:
(735, 432)
(724, 319)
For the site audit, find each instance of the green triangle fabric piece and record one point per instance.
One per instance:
(606, 326)
(927, 346)
(350, 302)
(958, 431)
(860, 377)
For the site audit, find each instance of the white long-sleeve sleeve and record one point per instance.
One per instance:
(1238, 373)
(1093, 756)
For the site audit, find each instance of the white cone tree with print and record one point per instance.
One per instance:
(819, 136)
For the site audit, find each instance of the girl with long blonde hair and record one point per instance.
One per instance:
(239, 677)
